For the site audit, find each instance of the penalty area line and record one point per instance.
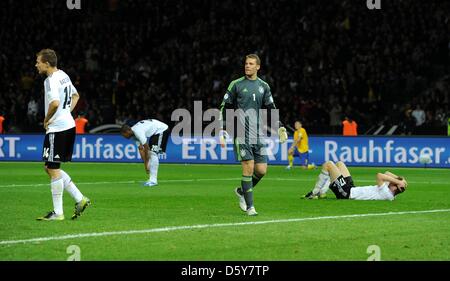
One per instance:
(204, 226)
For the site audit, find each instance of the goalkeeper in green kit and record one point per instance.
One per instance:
(245, 97)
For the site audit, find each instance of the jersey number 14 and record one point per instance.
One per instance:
(68, 98)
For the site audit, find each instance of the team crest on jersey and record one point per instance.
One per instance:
(225, 97)
(243, 153)
(261, 89)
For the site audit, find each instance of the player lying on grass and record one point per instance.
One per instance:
(387, 187)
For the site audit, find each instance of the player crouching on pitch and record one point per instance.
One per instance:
(387, 187)
(151, 136)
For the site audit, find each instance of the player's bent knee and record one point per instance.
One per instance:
(53, 166)
(260, 174)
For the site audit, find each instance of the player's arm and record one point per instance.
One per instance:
(296, 141)
(143, 151)
(227, 103)
(381, 178)
(53, 97)
(75, 98)
(270, 104)
(52, 108)
(391, 174)
(143, 146)
(223, 115)
(395, 176)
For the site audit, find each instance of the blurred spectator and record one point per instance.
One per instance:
(408, 124)
(349, 127)
(32, 111)
(335, 118)
(80, 123)
(419, 115)
(2, 120)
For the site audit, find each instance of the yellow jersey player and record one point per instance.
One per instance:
(299, 148)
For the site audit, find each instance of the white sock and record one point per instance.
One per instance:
(325, 187)
(70, 187)
(154, 164)
(57, 187)
(324, 177)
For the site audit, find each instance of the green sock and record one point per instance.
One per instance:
(247, 187)
(255, 180)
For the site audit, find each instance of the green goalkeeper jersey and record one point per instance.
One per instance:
(247, 97)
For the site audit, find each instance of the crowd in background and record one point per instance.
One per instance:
(324, 60)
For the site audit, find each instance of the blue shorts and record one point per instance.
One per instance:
(304, 157)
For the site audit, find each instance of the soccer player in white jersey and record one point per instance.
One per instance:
(60, 99)
(388, 185)
(151, 136)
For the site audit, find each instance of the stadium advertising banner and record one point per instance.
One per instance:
(355, 151)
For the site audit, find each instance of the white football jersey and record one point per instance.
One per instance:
(59, 87)
(146, 128)
(372, 192)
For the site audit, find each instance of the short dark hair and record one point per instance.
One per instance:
(399, 190)
(125, 128)
(254, 56)
(48, 55)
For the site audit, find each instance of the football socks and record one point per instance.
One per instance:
(323, 178)
(57, 187)
(255, 180)
(154, 164)
(247, 187)
(70, 187)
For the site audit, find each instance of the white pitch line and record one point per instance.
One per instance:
(202, 226)
(120, 182)
(210, 179)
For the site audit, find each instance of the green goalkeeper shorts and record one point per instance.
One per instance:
(244, 152)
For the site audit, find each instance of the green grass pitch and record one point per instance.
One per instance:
(199, 200)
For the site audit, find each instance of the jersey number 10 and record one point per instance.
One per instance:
(68, 98)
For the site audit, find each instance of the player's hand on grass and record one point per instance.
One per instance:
(223, 135)
(282, 134)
